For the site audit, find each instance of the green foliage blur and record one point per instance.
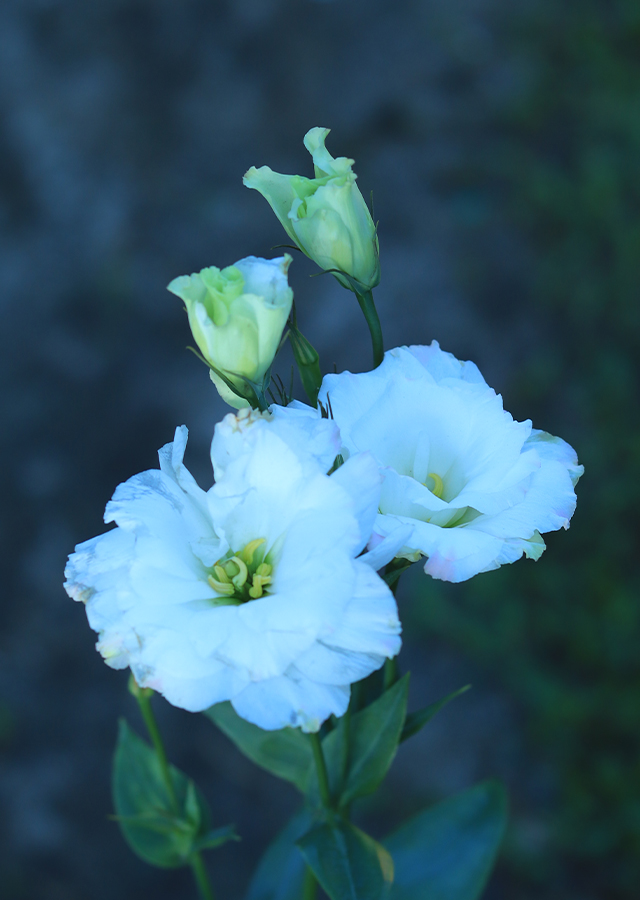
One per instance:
(564, 634)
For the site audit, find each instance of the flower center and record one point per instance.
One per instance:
(242, 576)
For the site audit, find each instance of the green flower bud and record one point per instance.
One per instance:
(237, 316)
(325, 216)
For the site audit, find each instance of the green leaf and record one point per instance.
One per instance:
(394, 570)
(374, 733)
(280, 873)
(447, 851)
(157, 831)
(417, 720)
(348, 863)
(285, 753)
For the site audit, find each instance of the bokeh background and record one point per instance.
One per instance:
(502, 143)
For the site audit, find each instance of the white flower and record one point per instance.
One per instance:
(237, 316)
(326, 216)
(250, 592)
(477, 487)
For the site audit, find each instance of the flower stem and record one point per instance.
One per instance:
(144, 702)
(143, 696)
(390, 672)
(309, 885)
(201, 877)
(321, 768)
(368, 307)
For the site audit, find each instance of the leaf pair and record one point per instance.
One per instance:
(445, 852)
(348, 864)
(358, 752)
(162, 829)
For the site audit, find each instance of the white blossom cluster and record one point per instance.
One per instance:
(264, 590)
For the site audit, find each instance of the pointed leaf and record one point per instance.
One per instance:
(374, 736)
(447, 851)
(280, 873)
(348, 863)
(285, 753)
(415, 721)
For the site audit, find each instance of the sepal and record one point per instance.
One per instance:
(308, 363)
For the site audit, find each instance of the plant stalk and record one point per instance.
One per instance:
(390, 672)
(321, 768)
(368, 307)
(144, 702)
(201, 877)
(196, 862)
(309, 885)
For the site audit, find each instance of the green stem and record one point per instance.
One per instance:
(197, 865)
(201, 877)
(144, 702)
(368, 307)
(321, 768)
(390, 672)
(309, 885)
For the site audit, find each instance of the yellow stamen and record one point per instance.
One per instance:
(438, 488)
(227, 589)
(242, 577)
(259, 581)
(250, 549)
(221, 575)
(239, 577)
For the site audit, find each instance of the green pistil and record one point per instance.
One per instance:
(243, 576)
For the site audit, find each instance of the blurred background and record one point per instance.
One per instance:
(502, 143)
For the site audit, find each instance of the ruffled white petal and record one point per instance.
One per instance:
(360, 478)
(442, 365)
(300, 427)
(367, 633)
(554, 448)
(291, 699)
(383, 549)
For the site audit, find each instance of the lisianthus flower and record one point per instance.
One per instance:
(326, 216)
(477, 488)
(250, 592)
(237, 316)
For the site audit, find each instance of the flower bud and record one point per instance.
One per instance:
(325, 216)
(237, 316)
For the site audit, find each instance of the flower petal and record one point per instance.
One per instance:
(292, 700)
